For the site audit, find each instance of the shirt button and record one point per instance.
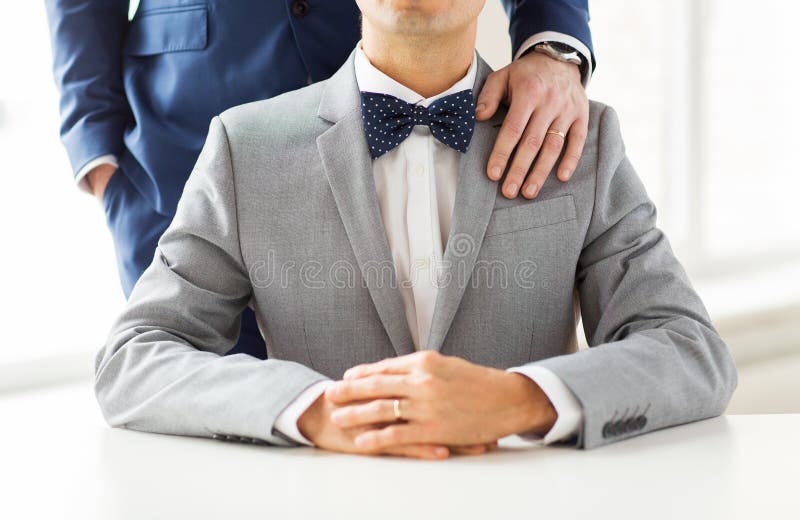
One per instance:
(299, 8)
(418, 171)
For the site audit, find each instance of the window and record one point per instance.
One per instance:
(58, 276)
(704, 90)
(705, 93)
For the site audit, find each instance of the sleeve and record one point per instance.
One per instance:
(550, 36)
(163, 367)
(286, 422)
(87, 38)
(529, 18)
(80, 177)
(655, 360)
(563, 400)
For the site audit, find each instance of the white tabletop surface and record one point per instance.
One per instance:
(59, 460)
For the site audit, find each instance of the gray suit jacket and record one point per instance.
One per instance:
(281, 213)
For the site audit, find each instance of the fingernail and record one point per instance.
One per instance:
(531, 190)
(495, 173)
(441, 452)
(511, 189)
(346, 374)
(361, 441)
(566, 175)
(337, 416)
(481, 107)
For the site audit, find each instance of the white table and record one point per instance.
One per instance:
(59, 460)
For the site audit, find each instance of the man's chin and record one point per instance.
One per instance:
(416, 24)
(422, 7)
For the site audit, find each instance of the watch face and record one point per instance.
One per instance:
(563, 48)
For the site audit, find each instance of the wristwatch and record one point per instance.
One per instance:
(562, 52)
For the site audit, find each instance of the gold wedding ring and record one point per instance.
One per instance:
(397, 414)
(558, 133)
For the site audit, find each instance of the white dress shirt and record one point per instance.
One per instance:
(416, 185)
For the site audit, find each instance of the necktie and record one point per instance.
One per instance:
(389, 120)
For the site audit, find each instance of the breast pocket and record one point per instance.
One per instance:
(168, 29)
(531, 215)
(518, 302)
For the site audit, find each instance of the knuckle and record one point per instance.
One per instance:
(429, 359)
(533, 141)
(371, 385)
(516, 173)
(419, 356)
(515, 128)
(540, 176)
(392, 434)
(423, 408)
(579, 139)
(572, 158)
(436, 429)
(425, 382)
(554, 145)
(553, 98)
(529, 103)
(579, 131)
(535, 86)
(427, 355)
(501, 156)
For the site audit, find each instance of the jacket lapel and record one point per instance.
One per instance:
(475, 197)
(348, 166)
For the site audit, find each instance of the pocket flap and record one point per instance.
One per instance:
(533, 214)
(172, 29)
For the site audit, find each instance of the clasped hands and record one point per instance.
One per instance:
(448, 406)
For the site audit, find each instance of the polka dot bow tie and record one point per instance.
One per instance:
(388, 120)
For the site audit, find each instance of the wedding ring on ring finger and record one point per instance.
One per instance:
(398, 415)
(559, 133)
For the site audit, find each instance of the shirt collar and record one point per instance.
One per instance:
(370, 79)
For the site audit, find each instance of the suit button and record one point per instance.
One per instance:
(299, 8)
(629, 425)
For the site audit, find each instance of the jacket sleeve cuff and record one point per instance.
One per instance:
(286, 422)
(80, 177)
(553, 36)
(567, 406)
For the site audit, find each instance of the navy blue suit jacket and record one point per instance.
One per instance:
(146, 89)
